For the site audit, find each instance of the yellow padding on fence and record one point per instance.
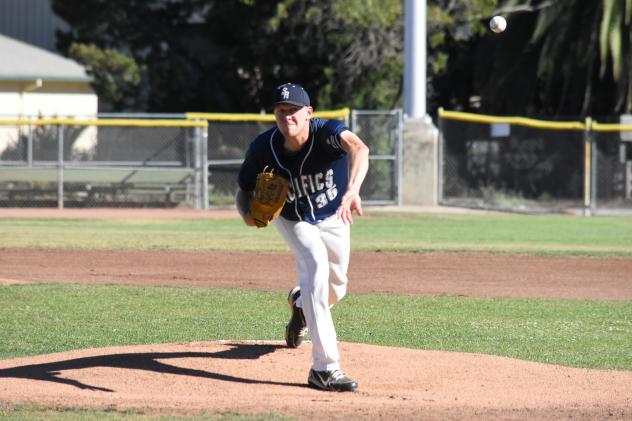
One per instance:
(335, 114)
(599, 127)
(519, 121)
(103, 122)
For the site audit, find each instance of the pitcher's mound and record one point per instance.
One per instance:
(262, 377)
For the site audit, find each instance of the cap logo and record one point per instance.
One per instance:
(285, 93)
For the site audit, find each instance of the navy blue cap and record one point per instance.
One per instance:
(290, 93)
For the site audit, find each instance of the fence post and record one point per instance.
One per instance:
(440, 164)
(203, 134)
(60, 167)
(197, 176)
(588, 176)
(593, 171)
(400, 155)
(29, 147)
(353, 121)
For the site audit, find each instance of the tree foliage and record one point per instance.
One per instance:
(335, 48)
(562, 57)
(116, 75)
(159, 36)
(454, 29)
(228, 55)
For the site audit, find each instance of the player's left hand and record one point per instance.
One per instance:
(350, 202)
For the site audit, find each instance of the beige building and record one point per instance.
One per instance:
(36, 82)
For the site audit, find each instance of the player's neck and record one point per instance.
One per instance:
(296, 143)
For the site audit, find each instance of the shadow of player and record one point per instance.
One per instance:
(145, 361)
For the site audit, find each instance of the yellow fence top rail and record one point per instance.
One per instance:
(603, 127)
(102, 122)
(228, 117)
(519, 121)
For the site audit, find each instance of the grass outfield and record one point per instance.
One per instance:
(377, 231)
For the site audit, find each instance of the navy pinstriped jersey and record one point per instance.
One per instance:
(318, 174)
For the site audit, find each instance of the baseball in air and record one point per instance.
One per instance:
(498, 24)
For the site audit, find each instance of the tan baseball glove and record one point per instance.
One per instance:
(269, 197)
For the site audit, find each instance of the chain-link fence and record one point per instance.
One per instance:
(133, 162)
(382, 132)
(611, 167)
(102, 163)
(230, 134)
(520, 164)
(227, 145)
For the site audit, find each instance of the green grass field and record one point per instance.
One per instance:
(38, 319)
(31, 412)
(377, 231)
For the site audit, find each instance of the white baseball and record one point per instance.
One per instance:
(498, 24)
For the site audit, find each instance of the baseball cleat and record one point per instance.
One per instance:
(335, 381)
(296, 328)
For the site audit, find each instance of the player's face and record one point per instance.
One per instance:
(292, 120)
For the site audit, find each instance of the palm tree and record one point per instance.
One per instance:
(565, 57)
(615, 40)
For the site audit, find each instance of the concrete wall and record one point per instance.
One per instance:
(420, 163)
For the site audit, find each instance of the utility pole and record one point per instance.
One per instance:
(419, 166)
(415, 58)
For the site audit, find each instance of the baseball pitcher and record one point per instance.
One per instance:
(317, 167)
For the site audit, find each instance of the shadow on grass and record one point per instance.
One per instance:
(145, 361)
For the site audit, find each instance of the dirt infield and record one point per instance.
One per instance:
(261, 377)
(474, 274)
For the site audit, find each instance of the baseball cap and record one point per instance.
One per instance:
(290, 93)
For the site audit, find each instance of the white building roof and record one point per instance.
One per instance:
(21, 61)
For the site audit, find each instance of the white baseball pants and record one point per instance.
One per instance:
(322, 259)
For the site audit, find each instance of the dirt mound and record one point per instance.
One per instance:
(260, 377)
